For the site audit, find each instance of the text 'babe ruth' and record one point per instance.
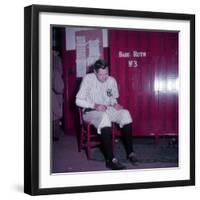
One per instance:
(97, 96)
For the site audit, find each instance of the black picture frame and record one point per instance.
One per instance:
(32, 104)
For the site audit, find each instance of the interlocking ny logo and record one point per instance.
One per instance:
(109, 92)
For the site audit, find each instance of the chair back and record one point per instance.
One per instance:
(80, 115)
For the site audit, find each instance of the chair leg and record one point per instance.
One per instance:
(113, 138)
(88, 142)
(81, 140)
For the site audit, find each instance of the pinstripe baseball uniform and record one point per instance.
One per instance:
(92, 92)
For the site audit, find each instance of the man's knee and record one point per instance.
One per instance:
(125, 114)
(105, 121)
(125, 117)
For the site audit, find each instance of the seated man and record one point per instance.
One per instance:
(97, 96)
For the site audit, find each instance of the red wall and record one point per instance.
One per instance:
(154, 112)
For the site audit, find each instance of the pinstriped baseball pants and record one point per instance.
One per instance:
(104, 119)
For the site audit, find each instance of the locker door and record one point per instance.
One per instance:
(145, 65)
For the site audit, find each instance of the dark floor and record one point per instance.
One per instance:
(66, 158)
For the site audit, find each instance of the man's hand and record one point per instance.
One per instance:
(99, 107)
(117, 106)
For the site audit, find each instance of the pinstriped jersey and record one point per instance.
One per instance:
(92, 91)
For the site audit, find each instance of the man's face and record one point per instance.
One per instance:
(102, 74)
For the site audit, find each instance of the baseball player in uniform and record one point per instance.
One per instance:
(97, 96)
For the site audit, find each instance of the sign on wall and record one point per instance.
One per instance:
(89, 48)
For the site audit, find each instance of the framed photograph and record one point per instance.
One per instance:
(109, 99)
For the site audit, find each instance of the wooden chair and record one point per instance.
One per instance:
(88, 137)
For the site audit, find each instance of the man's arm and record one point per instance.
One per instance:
(57, 82)
(83, 103)
(81, 97)
(115, 93)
